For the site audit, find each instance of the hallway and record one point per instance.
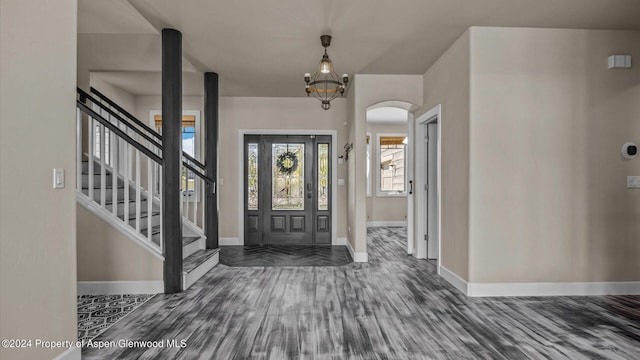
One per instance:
(394, 307)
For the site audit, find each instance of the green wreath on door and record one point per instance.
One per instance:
(287, 162)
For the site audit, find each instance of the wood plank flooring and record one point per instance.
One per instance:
(283, 255)
(394, 307)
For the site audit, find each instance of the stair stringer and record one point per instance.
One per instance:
(119, 225)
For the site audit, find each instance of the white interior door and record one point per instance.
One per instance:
(432, 186)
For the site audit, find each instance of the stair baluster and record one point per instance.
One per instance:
(120, 167)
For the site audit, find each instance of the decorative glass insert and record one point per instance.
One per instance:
(252, 176)
(287, 169)
(323, 176)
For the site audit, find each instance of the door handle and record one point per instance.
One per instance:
(410, 187)
(308, 187)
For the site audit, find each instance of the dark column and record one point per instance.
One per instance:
(172, 156)
(211, 157)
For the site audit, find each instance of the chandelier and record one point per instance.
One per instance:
(325, 85)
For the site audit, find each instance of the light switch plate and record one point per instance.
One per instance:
(633, 182)
(58, 178)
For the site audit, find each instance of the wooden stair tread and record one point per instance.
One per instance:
(186, 240)
(196, 259)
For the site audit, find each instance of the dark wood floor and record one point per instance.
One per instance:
(283, 255)
(394, 307)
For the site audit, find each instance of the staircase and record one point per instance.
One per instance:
(119, 180)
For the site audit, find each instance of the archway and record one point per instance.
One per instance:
(389, 167)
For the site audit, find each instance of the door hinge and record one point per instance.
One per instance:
(426, 138)
(425, 237)
(426, 187)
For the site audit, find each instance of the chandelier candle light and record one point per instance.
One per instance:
(325, 85)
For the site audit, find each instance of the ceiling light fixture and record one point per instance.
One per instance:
(325, 85)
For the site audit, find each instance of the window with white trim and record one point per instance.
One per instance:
(190, 138)
(391, 164)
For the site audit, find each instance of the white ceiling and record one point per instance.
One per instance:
(387, 115)
(263, 48)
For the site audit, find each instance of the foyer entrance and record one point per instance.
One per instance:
(287, 192)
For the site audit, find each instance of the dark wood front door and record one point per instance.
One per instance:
(287, 189)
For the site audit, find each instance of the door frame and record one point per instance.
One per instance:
(420, 130)
(334, 173)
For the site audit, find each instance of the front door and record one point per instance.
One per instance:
(287, 190)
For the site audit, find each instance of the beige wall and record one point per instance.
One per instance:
(125, 99)
(368, 90)
(37, 223)
(271, 113)
(144, 104)
(447, 83)
(548, 120)
(384, 208)
(105, 254)
(259, 113)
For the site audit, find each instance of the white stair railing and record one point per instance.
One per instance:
(194, 192)
(116, 172)
(120, 172)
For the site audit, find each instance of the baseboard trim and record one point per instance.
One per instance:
(357, 256)
(386, 223)
(340, 242)
(230, 242)
(554, 289)
(540, 288)
(455, 280)
(120, 287)
(72, 353)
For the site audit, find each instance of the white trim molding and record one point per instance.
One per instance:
(433, 115)
(554, 289)
(454, 279)
(334, 171)
(386, 223)
(539, 288)
(229, 241)
(120, 287)
(72, 353)
(357, 256)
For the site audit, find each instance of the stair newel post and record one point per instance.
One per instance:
(172, 156)
(211, 157)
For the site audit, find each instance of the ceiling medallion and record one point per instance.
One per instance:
(325, 85)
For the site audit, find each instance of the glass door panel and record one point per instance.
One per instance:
(287, 171)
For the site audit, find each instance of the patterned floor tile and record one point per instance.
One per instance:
(96, 313)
